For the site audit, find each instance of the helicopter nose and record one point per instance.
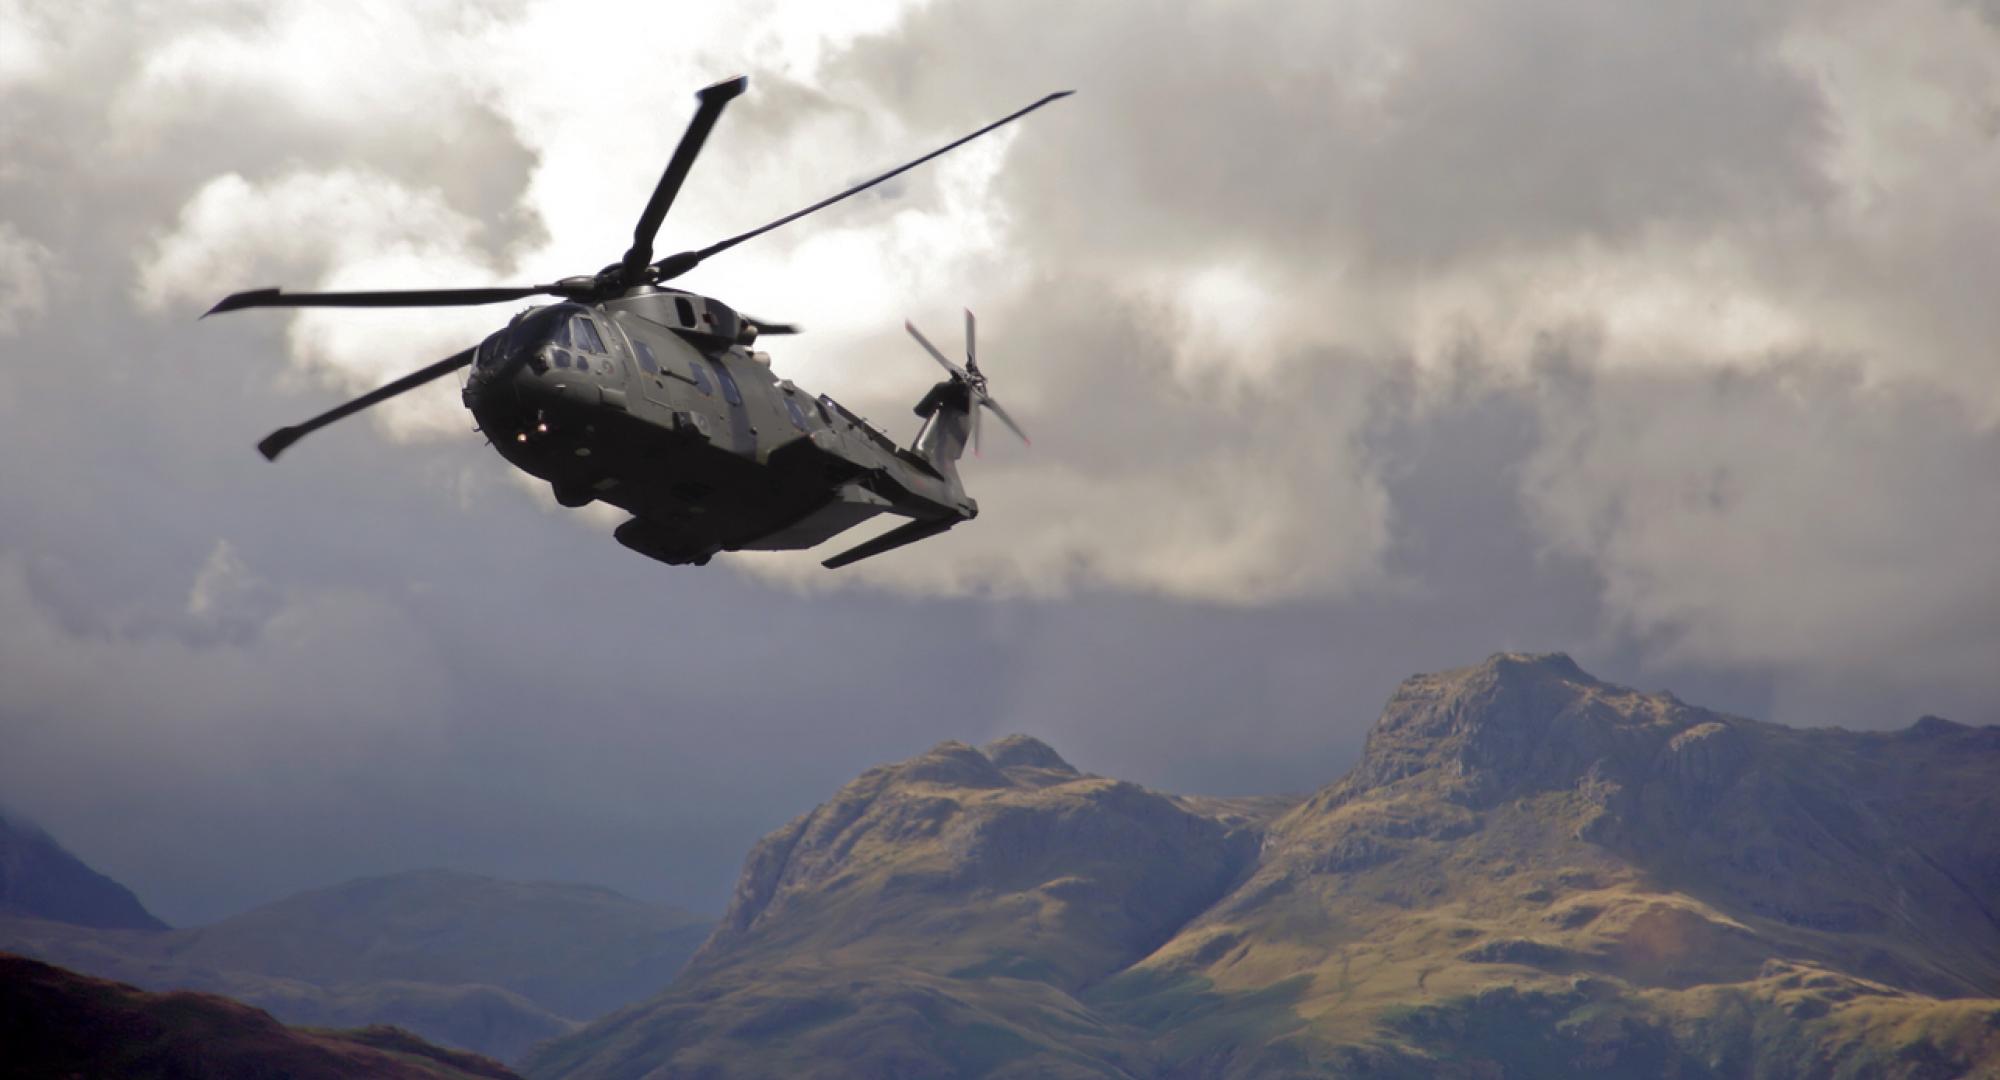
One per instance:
(492, 370)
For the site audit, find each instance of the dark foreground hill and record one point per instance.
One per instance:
(39, 878)
(468, 961)
(55, 1023)
(1530, 873)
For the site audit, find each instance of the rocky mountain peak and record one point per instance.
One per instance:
(1518, 722)
(1026, 752)
(950, 764)
(922, 842)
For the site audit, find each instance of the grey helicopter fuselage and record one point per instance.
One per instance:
(653, 400)
(656, 403)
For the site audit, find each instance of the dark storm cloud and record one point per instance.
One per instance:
(1274, 471)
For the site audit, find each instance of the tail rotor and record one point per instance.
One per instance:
(970, 378)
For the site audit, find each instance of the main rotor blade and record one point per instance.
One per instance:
(933, 350)
(674, 266)
(276, 442)
(713, 98)
(988, 401)
(395, 298)
(769, 329)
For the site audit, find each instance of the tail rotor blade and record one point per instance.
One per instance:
(933, 350)
(971, 355)
(276, 442)
(1004, 418)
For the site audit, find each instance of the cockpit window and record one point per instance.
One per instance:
(492, 350)
(586, 334)
(561, 334)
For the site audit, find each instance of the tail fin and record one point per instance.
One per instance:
(948, 414)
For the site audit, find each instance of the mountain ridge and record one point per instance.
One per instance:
(1529, 872)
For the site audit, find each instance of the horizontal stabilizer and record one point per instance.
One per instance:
(891, 540)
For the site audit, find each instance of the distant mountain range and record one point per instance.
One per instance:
(467, 961)
(56, 1023)
(1530, 873)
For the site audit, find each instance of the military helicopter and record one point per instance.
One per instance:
(653, 400)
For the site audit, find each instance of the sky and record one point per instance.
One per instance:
(1356, 339)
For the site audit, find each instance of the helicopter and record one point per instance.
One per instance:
(654, 399)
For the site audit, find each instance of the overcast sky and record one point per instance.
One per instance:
(1357, 339)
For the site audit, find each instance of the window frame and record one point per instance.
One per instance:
(730, 391)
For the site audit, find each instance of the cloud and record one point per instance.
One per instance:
(342, 229)
(230, 598)
(1355, 340)
(1788, 516)
(24, 271)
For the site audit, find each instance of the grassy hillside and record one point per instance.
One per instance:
(1530, 873)
(468, 961)
(55, 1023)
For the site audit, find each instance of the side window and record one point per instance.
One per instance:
(586, 334)
(729, 391)
(798, 415)
(685, 310)
(647, 361)
(701, 382)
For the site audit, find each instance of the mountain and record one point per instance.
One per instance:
(1529, 873)
(577, 950)
(469, 961)
(40, 879)
(55, 1023)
